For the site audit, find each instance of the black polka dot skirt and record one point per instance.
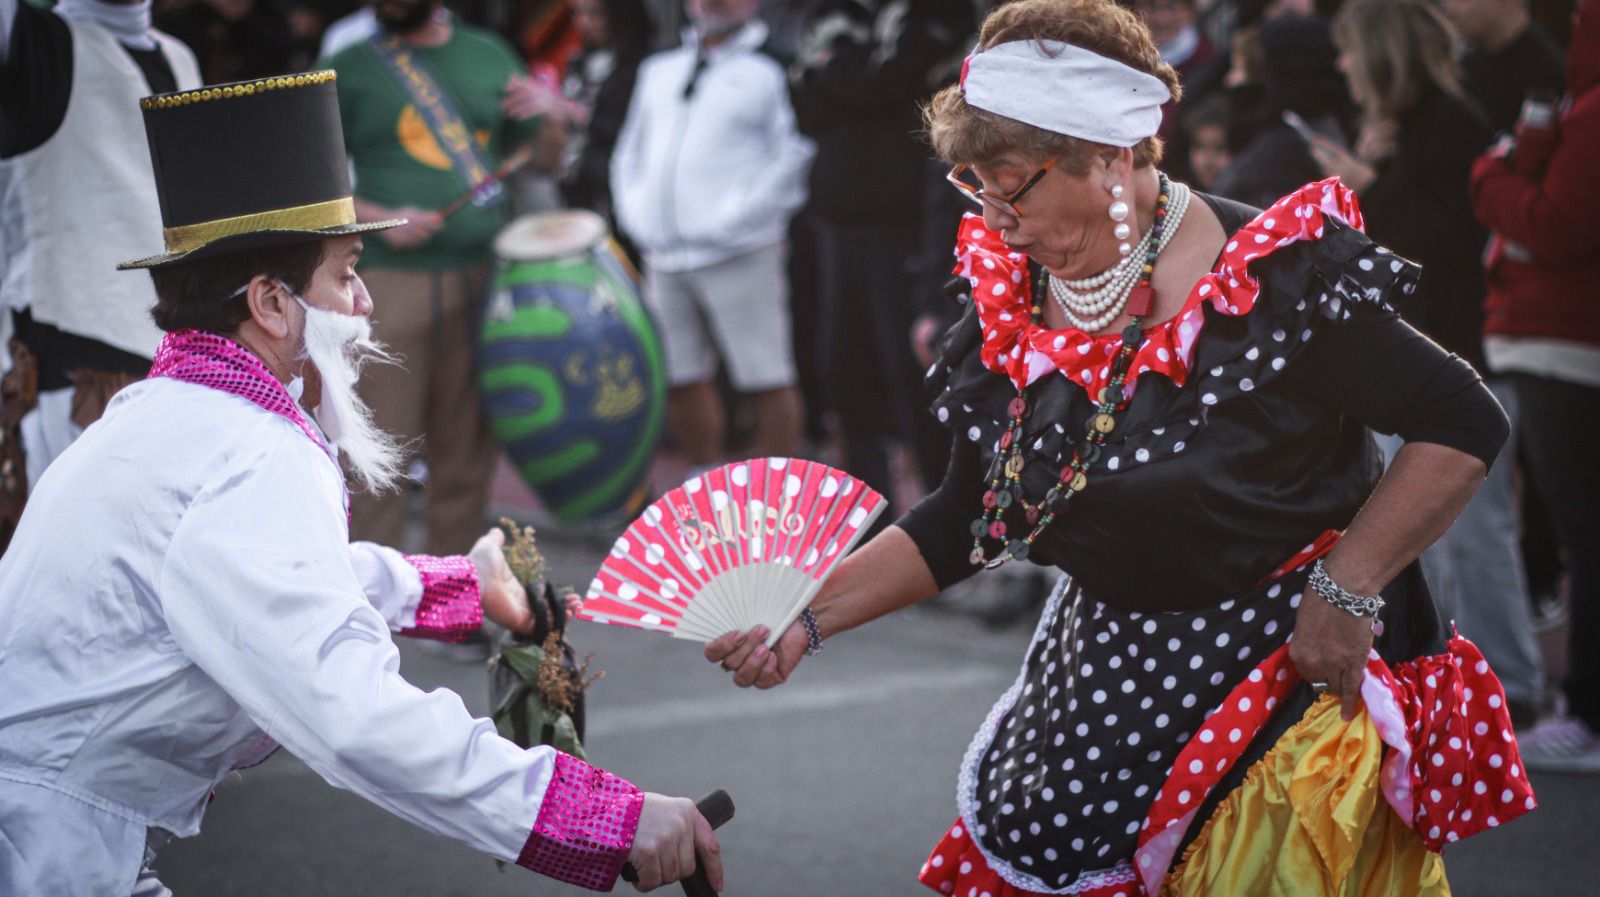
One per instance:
(1061, 774)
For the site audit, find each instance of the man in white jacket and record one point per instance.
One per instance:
(181, 596)
(708, 170)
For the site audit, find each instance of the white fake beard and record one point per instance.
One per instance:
(340, 345)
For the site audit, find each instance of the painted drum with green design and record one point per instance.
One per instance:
(570, 367)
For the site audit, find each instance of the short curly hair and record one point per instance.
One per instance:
(965, 135)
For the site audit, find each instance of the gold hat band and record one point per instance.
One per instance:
(229, 91)
(314, 217)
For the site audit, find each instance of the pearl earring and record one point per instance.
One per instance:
(1118, 210)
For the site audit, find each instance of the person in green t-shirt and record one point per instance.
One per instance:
(430, 273)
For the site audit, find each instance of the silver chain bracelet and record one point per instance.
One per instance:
(1349, 602)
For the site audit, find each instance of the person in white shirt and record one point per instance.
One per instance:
(73, 161)
(707, 172)
(181, 596)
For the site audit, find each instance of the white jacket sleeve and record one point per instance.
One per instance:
(393, 587)
(259, 590)
(420, 595)
(779, 189)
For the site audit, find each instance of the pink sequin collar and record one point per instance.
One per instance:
(216, 362)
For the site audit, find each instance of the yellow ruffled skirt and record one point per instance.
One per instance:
(1309, 820)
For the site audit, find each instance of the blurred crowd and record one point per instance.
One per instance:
(762, 164)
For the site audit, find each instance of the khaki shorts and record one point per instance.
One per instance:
(737, 309)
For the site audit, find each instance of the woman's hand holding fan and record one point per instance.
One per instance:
(766, 668)
(742, 547)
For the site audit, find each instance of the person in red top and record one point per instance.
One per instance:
(1543, 327)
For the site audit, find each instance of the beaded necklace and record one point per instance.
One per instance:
(1005, 472)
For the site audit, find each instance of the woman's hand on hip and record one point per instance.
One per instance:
(1331, 645)
(746, 656)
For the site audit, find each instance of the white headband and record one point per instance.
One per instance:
(1066, 90)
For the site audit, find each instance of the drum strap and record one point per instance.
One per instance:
(416, 79)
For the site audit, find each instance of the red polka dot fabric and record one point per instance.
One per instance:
(1023, 351)
(957, 867)
(1454, 769)
(1207, 758)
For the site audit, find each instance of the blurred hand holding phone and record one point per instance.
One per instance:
(1310, 134)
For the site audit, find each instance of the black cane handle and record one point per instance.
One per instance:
(717, 808)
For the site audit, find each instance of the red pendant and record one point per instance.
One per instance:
(1140, 299)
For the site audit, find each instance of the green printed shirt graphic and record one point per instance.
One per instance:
(398, 162)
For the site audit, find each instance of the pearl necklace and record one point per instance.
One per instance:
(1109, 290)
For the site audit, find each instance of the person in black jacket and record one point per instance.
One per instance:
(1300, 78)
(616, 35)
(1418, 138)
(1508, 56)
(864, 68)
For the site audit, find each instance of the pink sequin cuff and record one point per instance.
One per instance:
(451, 608)
(585, 827)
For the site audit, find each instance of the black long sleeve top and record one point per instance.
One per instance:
(1204, 489)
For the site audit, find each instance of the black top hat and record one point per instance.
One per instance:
(257, 163)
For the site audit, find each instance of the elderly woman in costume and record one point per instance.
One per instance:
(1168, 396)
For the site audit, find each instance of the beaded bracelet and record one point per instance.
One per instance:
(813, 632)
(1347, 601)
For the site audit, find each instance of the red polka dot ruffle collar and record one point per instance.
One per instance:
(1024, 351)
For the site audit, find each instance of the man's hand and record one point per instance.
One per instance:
(745, 655)
(526, 98)
(1331, 645)
(671, 837)
(505, 601)
(419, 228)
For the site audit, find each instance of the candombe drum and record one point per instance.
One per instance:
(570, 367)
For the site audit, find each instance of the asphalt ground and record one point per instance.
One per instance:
(843, 779)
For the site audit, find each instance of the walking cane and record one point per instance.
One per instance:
(717, 808)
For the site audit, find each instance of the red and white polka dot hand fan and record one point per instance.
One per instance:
(745, 544)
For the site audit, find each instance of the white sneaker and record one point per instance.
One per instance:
(1560, 744)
